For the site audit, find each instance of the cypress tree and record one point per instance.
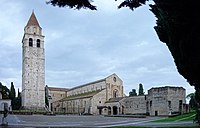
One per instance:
(141, 90)
(12, 92)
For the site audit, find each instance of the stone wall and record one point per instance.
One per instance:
(98, 100)
(7, 102)
(134, 105)
(165, 100)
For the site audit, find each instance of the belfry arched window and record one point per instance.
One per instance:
(38, 43)
(30, 42)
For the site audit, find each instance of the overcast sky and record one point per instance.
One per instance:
(83, 46)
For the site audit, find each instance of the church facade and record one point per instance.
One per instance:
(33, 66)
(90, 98)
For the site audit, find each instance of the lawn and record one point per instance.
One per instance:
(151, 127)
(184, 117)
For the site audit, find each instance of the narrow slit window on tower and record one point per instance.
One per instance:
(38, 43)
(30, 42)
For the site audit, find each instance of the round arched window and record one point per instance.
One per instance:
(30, 42)
(38, 43)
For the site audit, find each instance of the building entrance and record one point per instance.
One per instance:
(114, 110)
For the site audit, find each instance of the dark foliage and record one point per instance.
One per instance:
(12, 92)
(178, 27)
(5, 91)
(133, 93)
(132, 3)
(193, 103)
(78, 4)
(141, 90)
(18, 101)
(12, 95)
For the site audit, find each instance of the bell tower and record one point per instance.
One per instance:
(33, 66)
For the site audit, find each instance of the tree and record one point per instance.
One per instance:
(5, 91)
(12, 92)
(192, 101)
(78, 4)
(190, 95)
(12, 95)
(18, 101)
(141, 90)
(177, 26)
(46, 96)
(133, 93)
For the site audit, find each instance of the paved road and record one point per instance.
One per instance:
(75, 121)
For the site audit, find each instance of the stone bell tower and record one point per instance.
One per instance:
(33, 66)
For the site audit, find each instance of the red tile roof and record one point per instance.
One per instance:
(33, 21)
(57, 89)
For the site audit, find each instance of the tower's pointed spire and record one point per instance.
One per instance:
(33, 20)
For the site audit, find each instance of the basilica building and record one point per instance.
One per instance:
(90, 98)
(106, 97)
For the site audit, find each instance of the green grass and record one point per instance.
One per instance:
(129, 127)
(151, 127)
(184, 117)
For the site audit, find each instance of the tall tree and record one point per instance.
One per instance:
(133, 93)
(18, 93)
(12, 93)
(141, 90)
(17, 103)
(12, 96)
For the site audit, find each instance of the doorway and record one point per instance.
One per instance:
(100, 111)
(114, 110)
(156, 113)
